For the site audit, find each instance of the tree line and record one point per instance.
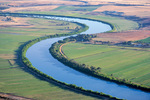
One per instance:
(90, 70)
(31, 67)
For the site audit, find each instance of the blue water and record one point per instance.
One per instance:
(39, 56)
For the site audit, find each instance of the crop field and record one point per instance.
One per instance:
(136, 2)
(77, 8)
(147, 40)
(140, 11)
(124, 36)
(35, 26)
(130, 63)
(14, 78)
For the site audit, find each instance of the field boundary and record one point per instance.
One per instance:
(54, 50)
(61, 51)
(38, 73)
(114, 29)
(9, 96)
(28, 64)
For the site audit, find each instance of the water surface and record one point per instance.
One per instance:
(39, 56)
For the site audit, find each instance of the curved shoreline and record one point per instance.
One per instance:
(29, 64)
(89, 72)
(113, 28)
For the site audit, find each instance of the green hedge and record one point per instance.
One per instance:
(54, 50)
(29, 65)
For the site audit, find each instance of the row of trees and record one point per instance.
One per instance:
(91, 70)
(54, 47)
(54, 50)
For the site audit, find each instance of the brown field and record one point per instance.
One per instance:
(34, 5)
(123, 36)
(109, 5)
(33, 8)
(140, 11)
(7, 56)
(6, 96)
(135, 2)
(24, 3)
(16, 21)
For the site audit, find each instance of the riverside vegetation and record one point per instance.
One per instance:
(14, 76)
(83, 67)
(21, 39)
(29, 65)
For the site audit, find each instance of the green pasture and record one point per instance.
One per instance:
(9, 43)
(147, 40)
(15, 79)
(120, 23)
(123, 62)
(40, 27)
(19, 82)
(76, 8)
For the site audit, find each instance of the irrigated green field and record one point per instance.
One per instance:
(123, 62)
(14, 79)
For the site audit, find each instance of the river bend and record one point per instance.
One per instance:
(38, 54)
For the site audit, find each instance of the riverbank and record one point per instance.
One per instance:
(15, 78)
(72, 86)
(55, 51)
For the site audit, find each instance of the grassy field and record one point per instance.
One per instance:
(14, 78)
(17, 81)
(37, 27)
(147, 40)
(76, 8)
(120, 24)
(123, 62)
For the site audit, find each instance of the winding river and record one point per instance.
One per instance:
(39, 56)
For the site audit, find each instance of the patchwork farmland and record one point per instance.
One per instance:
(129, 63)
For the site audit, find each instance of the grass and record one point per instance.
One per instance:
(14, 78)
(9, 43)
(76, 8)
(120, 23)
(147, 40)
(19, 82)
(40, 27)
(123, 62)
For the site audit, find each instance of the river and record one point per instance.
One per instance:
(38, 54)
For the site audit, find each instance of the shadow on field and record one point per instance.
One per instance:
(38, 76)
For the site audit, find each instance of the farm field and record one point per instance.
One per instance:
(35, 26)
(118, 37)
(122, 62)
(14, 78)
(133, 2)
(147, 40)
(119, 23)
